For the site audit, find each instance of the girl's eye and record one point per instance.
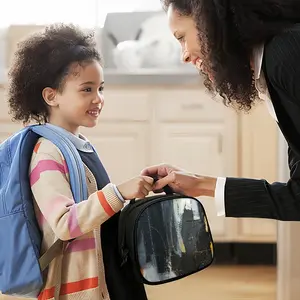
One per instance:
(88, 90)
(101, 88)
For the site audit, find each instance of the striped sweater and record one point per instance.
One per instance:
(79, 272)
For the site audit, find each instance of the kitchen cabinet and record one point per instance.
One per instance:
(122, 136)
(197, 134)
(180, 124)
(185, 127)
(258, 148)
(6, 126)
(141, 126)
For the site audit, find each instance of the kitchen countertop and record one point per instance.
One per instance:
(188, 77)
(152, 77)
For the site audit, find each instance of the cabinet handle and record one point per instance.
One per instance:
(192, 106)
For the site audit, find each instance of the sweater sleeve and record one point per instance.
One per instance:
(50, 186)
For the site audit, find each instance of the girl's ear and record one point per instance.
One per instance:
(49, 95)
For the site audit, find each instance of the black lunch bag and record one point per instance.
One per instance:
(165, 237)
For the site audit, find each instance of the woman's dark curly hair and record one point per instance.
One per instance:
(228, 32)
(44, 60)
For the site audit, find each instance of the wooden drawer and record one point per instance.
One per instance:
(188, 106)
(126, 105)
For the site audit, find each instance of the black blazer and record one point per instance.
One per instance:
(259, 198)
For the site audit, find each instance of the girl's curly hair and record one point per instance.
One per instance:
(228, 32)
(44, 60)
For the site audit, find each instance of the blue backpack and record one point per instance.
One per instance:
(21, 265)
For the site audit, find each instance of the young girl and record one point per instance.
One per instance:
(56, 78)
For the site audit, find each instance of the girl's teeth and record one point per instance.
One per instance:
(93, 112)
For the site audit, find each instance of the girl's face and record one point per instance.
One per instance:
(81, 99)
(185, 31)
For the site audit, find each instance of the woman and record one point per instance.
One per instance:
(246, 49)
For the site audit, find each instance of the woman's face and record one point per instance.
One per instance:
(185, 31)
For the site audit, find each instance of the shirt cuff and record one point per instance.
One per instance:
(118, 193)
(219, 196)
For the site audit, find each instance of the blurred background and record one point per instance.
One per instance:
(157, 110)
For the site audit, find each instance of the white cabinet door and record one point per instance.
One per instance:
(199, 134)
(197, 148)
(259, 146)
(122, 147)
(122, 137)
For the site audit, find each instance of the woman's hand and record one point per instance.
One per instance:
(180, 181)
(138, 187)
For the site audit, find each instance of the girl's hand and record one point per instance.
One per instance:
(138, 187)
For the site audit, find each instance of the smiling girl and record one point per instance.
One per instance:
(56, 79)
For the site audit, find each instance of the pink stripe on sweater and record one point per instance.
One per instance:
(52, 206)
(45, 165)
(81, 245)
(73, 224)
(65, 167)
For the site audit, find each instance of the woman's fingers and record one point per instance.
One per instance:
(161, 183)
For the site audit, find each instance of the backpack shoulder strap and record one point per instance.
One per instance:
(54, 251)
(72, 157)
(77, 174)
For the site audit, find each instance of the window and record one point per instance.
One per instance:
(38, 12)
(86, 13)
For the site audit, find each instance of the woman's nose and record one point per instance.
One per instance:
(186, 57)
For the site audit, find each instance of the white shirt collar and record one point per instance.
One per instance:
(260, 81)
(258, 54)
(80, 142)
